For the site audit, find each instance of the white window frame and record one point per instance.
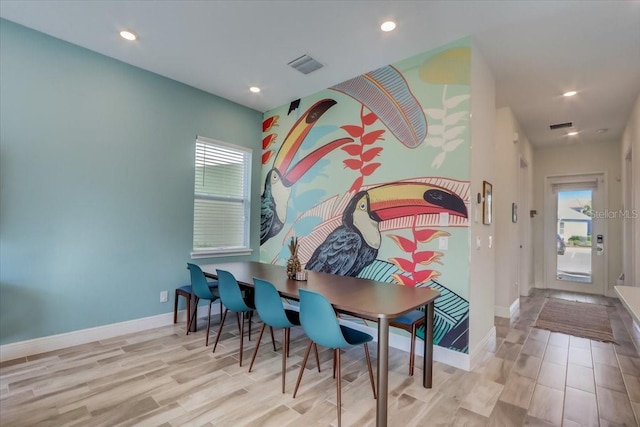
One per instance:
(244, 248)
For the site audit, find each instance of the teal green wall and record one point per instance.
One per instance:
(96, 184)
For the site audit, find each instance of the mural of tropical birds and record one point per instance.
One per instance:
(283, 174)
(354, 245)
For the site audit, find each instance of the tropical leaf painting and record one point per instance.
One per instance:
(451, 66)
(426, 109)
(386, 93)
(447, 126)
(451, 311)
(361, 152)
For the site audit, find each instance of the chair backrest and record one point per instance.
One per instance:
(230, 293)
(269, 305)
(199, 285)
(319, 321)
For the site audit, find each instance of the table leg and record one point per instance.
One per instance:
(194, 307)
(427, 367)
(383, 372)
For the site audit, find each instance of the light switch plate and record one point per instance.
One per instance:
(443, 243)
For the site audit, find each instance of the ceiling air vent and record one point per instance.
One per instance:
(561, 125)
(305, 64)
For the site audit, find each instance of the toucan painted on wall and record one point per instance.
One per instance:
(277, 186)
(354, 244)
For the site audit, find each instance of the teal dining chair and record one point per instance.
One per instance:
(321, 325)
(203, 291)
(233, 300)
(273, 314)
(410, 322)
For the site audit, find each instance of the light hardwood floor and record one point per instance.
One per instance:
(164, 378)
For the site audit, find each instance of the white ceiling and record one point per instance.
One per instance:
(536, 49)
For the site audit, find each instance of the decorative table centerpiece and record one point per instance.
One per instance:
(293, 264)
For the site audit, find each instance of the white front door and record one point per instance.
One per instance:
(575, 239)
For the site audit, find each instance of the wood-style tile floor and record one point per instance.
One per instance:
(163, 377)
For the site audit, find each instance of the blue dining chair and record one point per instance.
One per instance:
(203, 290)
(273, 314)
(233, 300)
(321, 325)
(410, 323)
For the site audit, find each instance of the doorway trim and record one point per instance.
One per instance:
(628, 226)
(549, 223)
(525, 261)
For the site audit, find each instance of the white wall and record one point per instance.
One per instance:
(577, 158)
(482, 260)
(512, 147)
(631, 233)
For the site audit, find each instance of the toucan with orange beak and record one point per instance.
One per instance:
(277, 186)
(354, 244)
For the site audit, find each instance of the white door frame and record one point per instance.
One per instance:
(629, 223)
(550, 231)
(524, 229)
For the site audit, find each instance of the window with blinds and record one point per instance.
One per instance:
(221, 198)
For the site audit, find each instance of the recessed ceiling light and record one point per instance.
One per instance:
(574, 133)
(570, 93)
(128, 35)
(388, 26)
(254, 89)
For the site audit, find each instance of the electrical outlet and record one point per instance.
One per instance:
(164, 296)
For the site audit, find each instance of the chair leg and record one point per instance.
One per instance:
(189, 313)
(191, 317)
(206, 342)
(304, 364)
(273, 340)
(255, 352)
(220, 330)
(175, 308)
(250, 317)
(241, 339)
(238, 319)
(285, 346)
(288, 340)
(315, 348)
(412, 353)
(373, 385)
(338, 386)
(334, 365)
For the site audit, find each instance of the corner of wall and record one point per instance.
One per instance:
(482, 168)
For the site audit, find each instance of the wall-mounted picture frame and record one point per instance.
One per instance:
(487, 191)
(514, 212)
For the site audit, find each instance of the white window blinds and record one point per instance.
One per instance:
(587, 184)
(221, 198)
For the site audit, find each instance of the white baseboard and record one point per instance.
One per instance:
(527, 291)
(507, 312)
(477, 353)
(499, 311)
(83, 336)
(515, 306)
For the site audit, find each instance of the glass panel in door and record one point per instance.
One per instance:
(574, 236)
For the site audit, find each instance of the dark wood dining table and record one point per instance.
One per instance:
(363, 298)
